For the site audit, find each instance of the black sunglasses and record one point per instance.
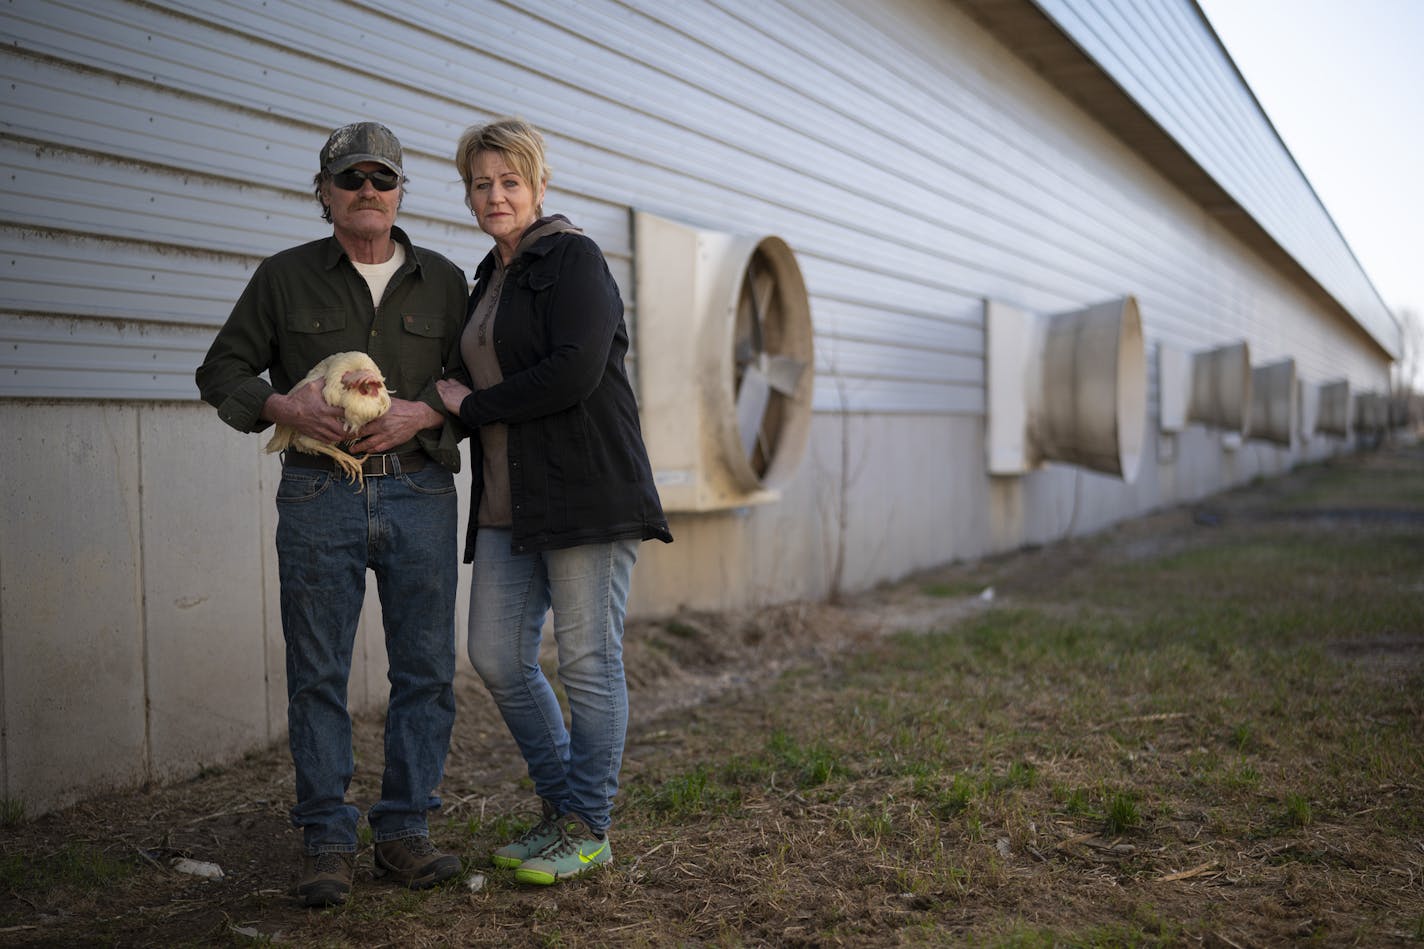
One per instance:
(353, 178)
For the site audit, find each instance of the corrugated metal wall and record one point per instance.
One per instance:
(155, 151)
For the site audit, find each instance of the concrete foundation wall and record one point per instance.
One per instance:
(71, 604)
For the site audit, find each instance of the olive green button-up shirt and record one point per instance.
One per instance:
(305, 303)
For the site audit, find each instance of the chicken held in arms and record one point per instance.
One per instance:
(352, 382)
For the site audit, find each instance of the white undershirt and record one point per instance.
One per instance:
(378, 275)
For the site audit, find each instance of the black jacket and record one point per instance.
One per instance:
(578, 471)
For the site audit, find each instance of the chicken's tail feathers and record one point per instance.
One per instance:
(350, 465)
(281, 439)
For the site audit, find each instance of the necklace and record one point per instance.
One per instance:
(484, 324)
(490, 303)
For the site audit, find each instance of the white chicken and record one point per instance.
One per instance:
(352, 382)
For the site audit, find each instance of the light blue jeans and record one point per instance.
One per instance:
(403, 528)
(574, 768)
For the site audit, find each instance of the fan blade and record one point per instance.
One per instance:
(750, 288)
(744, 352)
(763, 286)
(752, 398)
(783, 373)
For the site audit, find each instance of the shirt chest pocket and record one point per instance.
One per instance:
(422, 346)
(424, 325)
(538, 279)
(535, 296)
(313, 320)
(311, 334)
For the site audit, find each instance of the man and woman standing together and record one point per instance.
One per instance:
(530, 365)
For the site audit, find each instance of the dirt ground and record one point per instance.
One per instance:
(236, 817)
(100, 873)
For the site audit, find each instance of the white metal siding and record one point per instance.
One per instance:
(158, 151)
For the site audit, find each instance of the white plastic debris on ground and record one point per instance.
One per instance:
(198, 868)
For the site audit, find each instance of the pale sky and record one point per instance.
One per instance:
(1342, 81)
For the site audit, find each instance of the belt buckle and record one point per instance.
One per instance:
(382, 462)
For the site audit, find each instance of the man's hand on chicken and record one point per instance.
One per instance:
(343, 401)
(306, 412)
(397, 426)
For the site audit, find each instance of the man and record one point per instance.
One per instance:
(367, 288)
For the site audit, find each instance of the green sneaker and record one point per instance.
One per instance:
(575, 851)
(533, 840)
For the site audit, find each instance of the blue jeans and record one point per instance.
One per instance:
(403, 528)
(576, 768)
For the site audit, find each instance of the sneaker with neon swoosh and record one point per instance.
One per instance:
(575, 851)
(529, 843)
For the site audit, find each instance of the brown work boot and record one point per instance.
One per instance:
(415, 862)
(326, 879)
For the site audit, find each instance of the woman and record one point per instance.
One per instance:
(563, 493)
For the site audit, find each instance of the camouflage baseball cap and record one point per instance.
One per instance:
(352, 144)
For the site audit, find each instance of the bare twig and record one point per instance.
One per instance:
(1155, 717)
(1197, 870)
(144, 855)
(25, 900)
(1081, 838)
(223, 813)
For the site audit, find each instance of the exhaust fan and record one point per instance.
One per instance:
(725, 363)
(1070, 387)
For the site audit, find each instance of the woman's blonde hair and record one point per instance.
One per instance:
(519, 142)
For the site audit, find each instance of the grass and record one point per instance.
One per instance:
(74, 866)
(1206, 681)
(1121, 812)
(695, 793)
(809, 765)
(1213, 743)
(960, 588)
(1297, 810)
(680, 629)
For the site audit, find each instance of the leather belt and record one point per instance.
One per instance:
(375, 466)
